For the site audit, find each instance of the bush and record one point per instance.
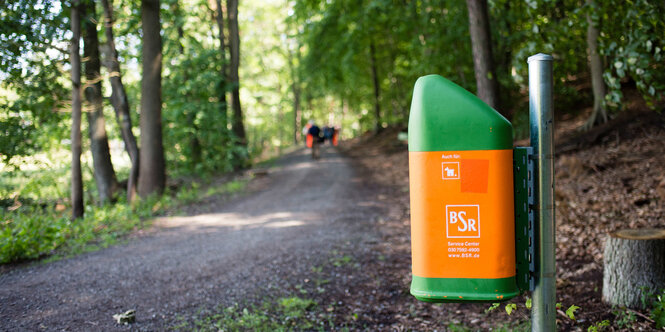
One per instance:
(33, 232)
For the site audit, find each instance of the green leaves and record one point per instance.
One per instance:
(510, 307)
(655, 302)
(493, 307)
(570, 312)
(15, 136)
(632, 43)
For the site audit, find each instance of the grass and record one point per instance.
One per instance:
(34, 211)
(37, 231)
(284, 314)
(338, 259)
(194, 192)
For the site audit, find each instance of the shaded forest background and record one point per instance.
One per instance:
(209, 86)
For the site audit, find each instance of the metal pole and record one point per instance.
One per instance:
(543, 314)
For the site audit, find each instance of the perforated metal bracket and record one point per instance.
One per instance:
(523, 176)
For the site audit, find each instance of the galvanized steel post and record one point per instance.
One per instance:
(543, 314)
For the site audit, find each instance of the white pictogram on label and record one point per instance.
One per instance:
(463, 221)
(450, 170)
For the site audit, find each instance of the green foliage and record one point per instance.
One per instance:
(35, 219)
(44, 178)
(33, 75)
(197, 138)
(31, 232)
(599, 326)
(570, 312)
(632, 42)
(25, 236)
(193, 192)
(493, 307)
(287, 314)
(233, 319)
(454, 327)
(510, 307)
(296, 307)
(15, 137)
(655, 302)
(624, 318)
(431, 36)
(341, 261)
(338, 259)
(658, 311)
(411, 39)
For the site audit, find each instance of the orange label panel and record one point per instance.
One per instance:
(474, 175)
(462, 218)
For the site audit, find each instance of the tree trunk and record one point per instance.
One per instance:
(345, 111)
(295, 88)
(234, 48)
(75, 61)
(152, 174)
(377, 88)
(120, 103)
(483, 61)
(219, 16)
(297, 115)
(596, 66)
(633, 259)
(107, 184)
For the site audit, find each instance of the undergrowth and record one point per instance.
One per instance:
(655, 301)
(284, 314)
(36, 230)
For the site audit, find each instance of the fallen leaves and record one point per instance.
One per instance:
(618, 182)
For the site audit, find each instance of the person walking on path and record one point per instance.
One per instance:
(315, 132)
(305, 131)
(328, 132)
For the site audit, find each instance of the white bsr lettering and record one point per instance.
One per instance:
(467, 225)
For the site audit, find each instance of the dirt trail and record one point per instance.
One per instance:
(236, 251)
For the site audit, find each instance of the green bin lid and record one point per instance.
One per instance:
(446, 117)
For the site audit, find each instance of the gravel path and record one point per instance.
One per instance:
(242, 250)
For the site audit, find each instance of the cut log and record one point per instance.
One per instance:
(634, 259)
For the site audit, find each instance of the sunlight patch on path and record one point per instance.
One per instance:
(235, 221)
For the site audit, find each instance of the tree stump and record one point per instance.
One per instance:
(633, 259)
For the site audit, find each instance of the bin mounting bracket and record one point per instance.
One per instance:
(523, 176)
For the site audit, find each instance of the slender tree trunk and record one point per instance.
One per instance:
(152, 174)
(596, 66)
(345, 111)
(483, 61)
(105, 177)
(377, 88)
(120, 103)
(219, 16)
(234, 47)
(295, 88)
(297, 115)
(75, 61)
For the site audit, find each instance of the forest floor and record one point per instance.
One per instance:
(608, 178)
(326, 245)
